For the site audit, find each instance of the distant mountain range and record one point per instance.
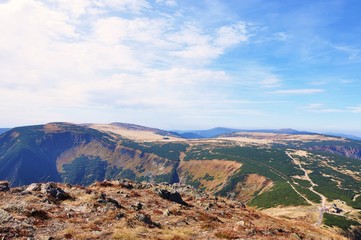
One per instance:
(344, 135)
(262, 168)
(215, 132)
(211, 133)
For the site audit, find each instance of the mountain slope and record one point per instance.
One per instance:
(2, 130)
(29, 154)
(130, 210)
(136, 132)
(80, 155)
(312, 173)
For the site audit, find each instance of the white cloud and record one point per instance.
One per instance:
(281, 36)
(157, 89)
(228, 36)
(353, 54)
(297, 91)
(201, 47)
(270, 82)
(170, 3)
(356, 109)
(66, 56)
(74, 8)
(320, 108)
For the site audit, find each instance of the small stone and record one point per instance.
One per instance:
(102, 201)
(141, 217)
(166, 213)
(120, 216)
(125, 184)
(33, 187)
(171, 196)
(22, 192)
(4, 186)
(39, 214)
(146, 219)
(114, 202)
(209, 206)
(55, 192)
(138, 206)
(240, 223)
(181, 224)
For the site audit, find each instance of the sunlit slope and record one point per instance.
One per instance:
(315, 174)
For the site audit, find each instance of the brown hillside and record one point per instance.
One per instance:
(129, 210)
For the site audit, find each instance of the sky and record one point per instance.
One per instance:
(182, 64)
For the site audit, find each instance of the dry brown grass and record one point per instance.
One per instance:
(220, 170)
(86, 218)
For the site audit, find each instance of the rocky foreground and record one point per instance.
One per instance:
(130, 210)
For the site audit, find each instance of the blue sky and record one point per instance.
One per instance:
(182, 64)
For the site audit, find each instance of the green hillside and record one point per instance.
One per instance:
(295, 172)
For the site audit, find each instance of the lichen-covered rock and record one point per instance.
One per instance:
(146, 219)
(34, 187)
(55, 192)
(171, 196)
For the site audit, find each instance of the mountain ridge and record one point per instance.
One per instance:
(3, 130)
(217, 131)
(131, 210)
(267, 170)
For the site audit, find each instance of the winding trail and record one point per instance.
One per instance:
(307, 177)
(355, 197)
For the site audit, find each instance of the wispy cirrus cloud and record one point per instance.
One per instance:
(171, 3)
(320, 108)
(270, 81)
(355, 109)
(306, 91)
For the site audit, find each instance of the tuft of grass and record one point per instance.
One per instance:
(227, 234)
(126, 233)
(176, 234)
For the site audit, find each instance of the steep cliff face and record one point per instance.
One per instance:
(351, 152)
(207, 174)
(74, 154)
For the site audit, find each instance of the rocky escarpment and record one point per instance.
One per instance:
(351, 152)
(132, 210)
(64, 152)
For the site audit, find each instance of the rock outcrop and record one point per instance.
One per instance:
(4, 186)
(113, 210)
(171, 196)
(346, 151)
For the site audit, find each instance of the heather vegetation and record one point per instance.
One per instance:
(339, 221)
(262, 174)
(170, 151)
(279, 195)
